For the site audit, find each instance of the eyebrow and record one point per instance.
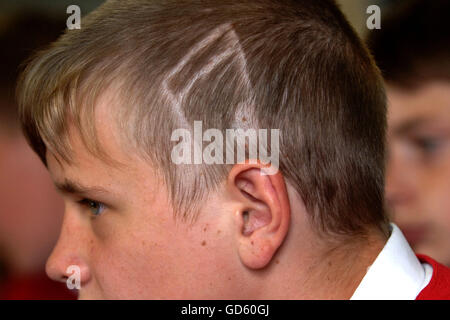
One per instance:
(74, 187)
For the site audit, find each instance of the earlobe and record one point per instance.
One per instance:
(263, 217)
(257, 255)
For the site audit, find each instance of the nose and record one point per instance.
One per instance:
(66, 260)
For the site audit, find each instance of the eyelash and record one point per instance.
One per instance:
(93, 205)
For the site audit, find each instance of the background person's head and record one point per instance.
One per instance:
(101, 104)
(412, 49)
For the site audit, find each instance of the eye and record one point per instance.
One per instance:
(427, 145)
(95, 207)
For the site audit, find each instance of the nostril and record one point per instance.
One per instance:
(56, 270)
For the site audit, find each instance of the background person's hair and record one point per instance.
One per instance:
(413, 46)
(291, 65)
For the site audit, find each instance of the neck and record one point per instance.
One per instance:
(340, 270)
(333, 272)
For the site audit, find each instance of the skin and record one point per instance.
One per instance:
(252, 239)
(418, 172)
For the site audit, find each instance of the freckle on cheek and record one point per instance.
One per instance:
(203, 243)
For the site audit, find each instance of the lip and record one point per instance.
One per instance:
(414, 234)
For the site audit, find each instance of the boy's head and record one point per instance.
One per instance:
(413, 52)
(101, 107)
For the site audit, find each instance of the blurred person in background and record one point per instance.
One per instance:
(30, 209)
(412, 50)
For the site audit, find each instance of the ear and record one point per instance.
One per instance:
(263, 215)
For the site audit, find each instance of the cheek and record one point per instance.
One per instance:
(130, 266)
(437, 191)
(439, 203)
(168, 266)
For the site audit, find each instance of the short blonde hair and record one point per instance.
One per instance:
(293, 65)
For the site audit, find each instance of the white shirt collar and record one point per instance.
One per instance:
(396, 273)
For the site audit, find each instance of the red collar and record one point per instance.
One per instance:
(439, 286)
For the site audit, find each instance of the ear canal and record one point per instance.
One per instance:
(245, 218)
(254, 220)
